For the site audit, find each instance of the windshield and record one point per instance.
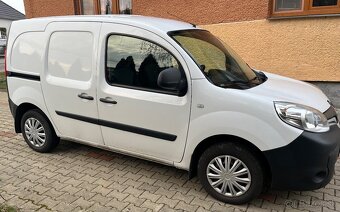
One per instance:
(220, 64)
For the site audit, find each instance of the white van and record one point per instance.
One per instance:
(169, 92)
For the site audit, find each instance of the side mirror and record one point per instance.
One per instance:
(171, 79)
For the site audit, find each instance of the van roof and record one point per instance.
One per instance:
(165, 25)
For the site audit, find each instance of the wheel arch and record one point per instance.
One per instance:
(213, 140)
(21, 110)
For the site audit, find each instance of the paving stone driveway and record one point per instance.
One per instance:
(76, 177)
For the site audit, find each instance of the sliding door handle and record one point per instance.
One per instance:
(85, 96)
(108, 100)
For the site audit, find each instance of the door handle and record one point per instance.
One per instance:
(108, 100)
(85, 96)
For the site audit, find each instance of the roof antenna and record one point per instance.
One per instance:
(194, 25)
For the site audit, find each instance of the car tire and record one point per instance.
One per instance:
(38, 132)
(218, 184)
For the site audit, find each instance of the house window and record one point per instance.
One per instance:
(105, 7)
(102, 7)
(288, 5)
(88, 7)
(320, 3)
(3, 33)
(283, 8)
(125, 6)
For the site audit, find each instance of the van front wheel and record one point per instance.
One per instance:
(38, 132)
(230, 173)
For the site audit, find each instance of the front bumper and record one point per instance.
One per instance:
(307, 163)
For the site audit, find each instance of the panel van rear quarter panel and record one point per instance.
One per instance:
(237, 113)
(27, 38)
(27, 91)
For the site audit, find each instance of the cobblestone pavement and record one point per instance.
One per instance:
(76, 177)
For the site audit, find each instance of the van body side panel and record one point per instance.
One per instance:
(27, 53)
(232, 112)
(69, 76)
(27, 91)
(143, 122)
(24, 64)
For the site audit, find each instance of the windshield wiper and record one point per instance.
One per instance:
(239, 82)
(255, 78)
(260, 76)
(233, 84)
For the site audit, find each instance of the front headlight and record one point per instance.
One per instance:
(301, 116)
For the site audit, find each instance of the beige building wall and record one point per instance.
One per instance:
(305, 49)
(204, 12)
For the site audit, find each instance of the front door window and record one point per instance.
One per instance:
(136, 63)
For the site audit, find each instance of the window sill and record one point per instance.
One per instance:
(302, 16)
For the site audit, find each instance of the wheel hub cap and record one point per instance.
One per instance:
(35, 132)
(228, 175)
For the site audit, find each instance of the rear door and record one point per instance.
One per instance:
(69, 80)
(135, 114)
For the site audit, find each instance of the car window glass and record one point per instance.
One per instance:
(136, 62)
(70, 55)
(220, 64)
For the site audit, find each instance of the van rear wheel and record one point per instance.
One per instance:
(38, 132)
(231, 173)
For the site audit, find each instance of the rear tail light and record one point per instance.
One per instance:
(6, 71)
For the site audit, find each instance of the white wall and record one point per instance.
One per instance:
(5, 24)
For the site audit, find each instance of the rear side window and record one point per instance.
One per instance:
(70, 55)
(134, 62)
(27, 52)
